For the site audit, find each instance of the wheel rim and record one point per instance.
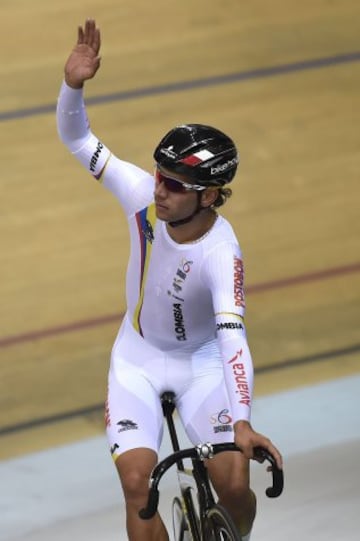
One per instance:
(219, 526)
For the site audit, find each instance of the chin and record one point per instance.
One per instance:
(161, 213)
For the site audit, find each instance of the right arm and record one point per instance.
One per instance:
(132, 186)
(82, 64)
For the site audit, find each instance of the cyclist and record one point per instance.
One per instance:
(184, 328)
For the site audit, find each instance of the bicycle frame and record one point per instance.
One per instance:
(188, 478)
(197, 477)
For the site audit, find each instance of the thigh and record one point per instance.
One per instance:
(204, 407)
(134, 416)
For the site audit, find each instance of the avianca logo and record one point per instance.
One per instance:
(240, 379)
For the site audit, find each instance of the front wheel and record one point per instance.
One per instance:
(219, 526)
(181, 530)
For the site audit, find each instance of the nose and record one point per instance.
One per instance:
(160, 189)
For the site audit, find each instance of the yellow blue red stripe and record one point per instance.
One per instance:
(145, 222)
(99, 176)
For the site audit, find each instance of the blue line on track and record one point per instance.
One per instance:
(242, 76)
(98, 408)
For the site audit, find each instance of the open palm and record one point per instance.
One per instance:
(84, 60)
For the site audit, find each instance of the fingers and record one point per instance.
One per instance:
(267, 444)
(92, 35)
(89, 35)
(278, 458)
(250, 440)
(80, 35)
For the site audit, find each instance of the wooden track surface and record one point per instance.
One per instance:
(295, 205)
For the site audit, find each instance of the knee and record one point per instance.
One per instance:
(134, 468)
(135, 483)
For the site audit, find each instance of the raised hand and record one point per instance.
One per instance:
(84, 60)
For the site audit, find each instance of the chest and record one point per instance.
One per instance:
(174, 272)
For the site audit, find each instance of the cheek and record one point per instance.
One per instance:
(189, 201)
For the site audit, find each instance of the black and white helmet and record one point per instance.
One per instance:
(201, 153)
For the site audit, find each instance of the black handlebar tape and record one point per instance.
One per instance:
(151, 508)
(277, 475)
(278, 484)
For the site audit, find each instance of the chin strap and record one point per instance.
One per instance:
(188, 219)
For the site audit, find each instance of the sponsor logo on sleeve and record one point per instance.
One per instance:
(240, 379)
(95, 156)
(229, 325)
(239, 282)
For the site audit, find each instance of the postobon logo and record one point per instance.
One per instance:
(239, 282)
(223, 167)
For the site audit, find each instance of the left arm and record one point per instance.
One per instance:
(225, 275)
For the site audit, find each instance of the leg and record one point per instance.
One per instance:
(229, 473)
(134, 422)
(134, 468)
(205, 412)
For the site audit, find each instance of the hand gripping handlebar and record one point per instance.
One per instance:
(203, 452)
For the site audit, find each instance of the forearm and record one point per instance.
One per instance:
(72, 121)
(239, 376)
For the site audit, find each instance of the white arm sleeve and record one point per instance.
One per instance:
(223, 273)
(72, 121)
(131, 185)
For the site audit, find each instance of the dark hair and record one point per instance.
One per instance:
(223, 196)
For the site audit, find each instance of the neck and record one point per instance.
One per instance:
(194, 230)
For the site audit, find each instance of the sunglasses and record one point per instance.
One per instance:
(176, 185)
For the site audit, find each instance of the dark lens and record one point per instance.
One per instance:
(170, 184)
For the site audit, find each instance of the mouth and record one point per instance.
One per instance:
(160, 206)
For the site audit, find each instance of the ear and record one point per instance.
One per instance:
(208, 197)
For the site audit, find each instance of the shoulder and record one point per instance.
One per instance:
(222, 238)
(131, 185)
